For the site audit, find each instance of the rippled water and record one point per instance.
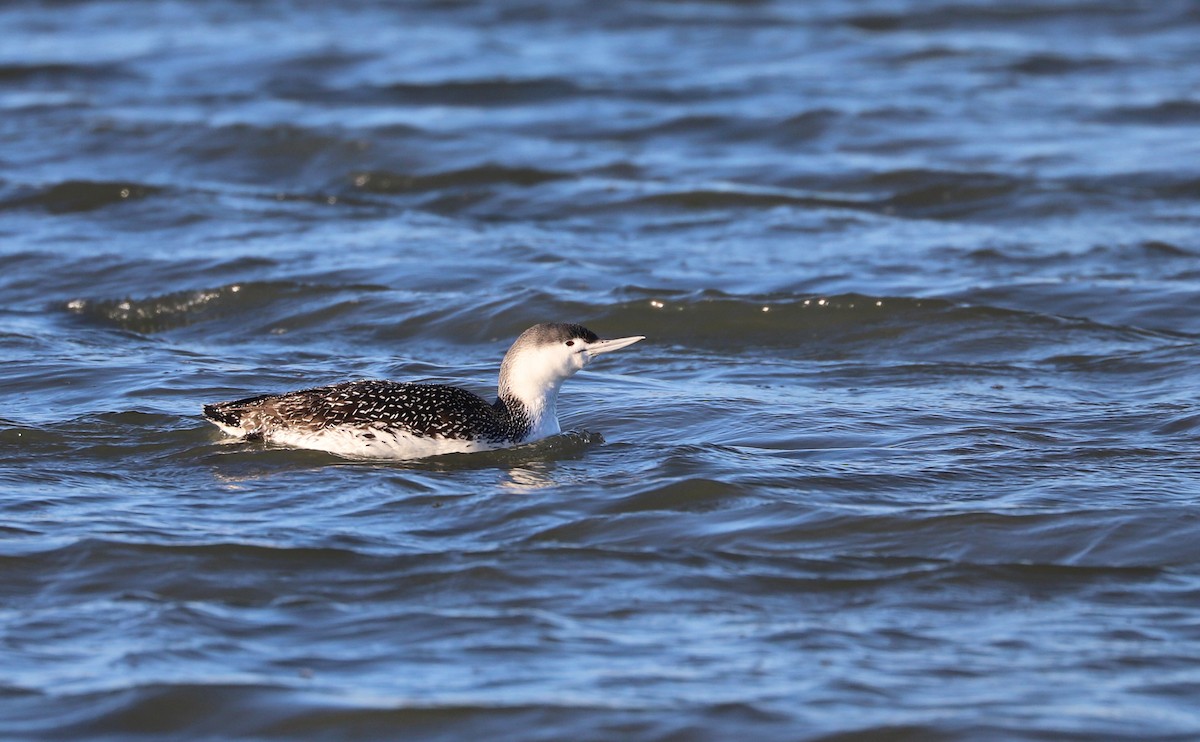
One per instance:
(910, 451)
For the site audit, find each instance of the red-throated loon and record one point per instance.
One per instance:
(396, 420)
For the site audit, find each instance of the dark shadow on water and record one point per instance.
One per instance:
(240, 460)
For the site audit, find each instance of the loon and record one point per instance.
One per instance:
(397, 420)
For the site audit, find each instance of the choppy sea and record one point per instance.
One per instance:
(911, 450)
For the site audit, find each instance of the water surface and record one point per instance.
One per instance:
(910, 451)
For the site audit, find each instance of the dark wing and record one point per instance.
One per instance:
(420, 409)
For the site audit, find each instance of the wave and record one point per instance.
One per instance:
(974, 326)
(905, 194)
(78, 195)
(59, 73)
(889, 326)
(385, 182)
(784, 132)
(957, 15)
(1049, 64)
(483, 92)
(179, 309)
(892, 546)
(942, 195)
(303, 707)
(494, 190)
(1164, 113)
(747, 197)
(495, 91)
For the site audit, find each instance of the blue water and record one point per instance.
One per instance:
(909, 452)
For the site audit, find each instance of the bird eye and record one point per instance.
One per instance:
(570, 343)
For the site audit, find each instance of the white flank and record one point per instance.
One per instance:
(353, 443)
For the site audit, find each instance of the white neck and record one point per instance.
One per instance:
(532, 378)
(538, 400)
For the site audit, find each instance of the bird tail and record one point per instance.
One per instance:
(224, 414)
(241, 417)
